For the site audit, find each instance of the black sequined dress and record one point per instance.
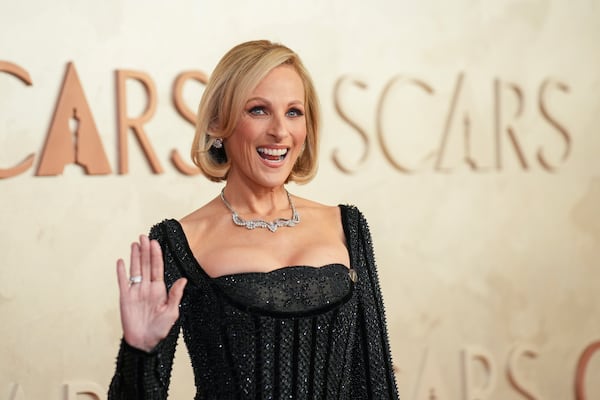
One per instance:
(294, 333)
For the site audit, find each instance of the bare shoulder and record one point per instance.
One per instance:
(327, 217)
(316, 209)
(204, 218)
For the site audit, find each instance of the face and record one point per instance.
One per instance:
(270, 132)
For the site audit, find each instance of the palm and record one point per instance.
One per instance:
(147, 311)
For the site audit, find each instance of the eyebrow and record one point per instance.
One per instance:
(258, 98)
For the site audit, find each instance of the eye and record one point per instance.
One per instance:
(257, 110)
(295, 112)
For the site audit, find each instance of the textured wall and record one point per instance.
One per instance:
(466, 131)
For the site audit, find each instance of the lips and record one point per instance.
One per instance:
(272, 154)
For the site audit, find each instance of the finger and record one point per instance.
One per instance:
(156, 262)
(175, 294)
(145, 258)
(122, 277)
(134, 260)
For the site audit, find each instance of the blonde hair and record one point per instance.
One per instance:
(230, 85)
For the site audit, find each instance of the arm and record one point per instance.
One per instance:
(144, 375)
(374, 374)
(145, 356)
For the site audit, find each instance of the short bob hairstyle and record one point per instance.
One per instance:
(224, 98)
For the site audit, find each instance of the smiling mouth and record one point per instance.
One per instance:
(272, 154)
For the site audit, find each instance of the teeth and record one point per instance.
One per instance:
(272, 152)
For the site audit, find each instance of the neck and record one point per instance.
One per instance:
(257, 202)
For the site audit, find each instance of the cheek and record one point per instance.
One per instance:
(243, 136)
(301, 133)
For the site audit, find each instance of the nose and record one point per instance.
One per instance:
(278, 128)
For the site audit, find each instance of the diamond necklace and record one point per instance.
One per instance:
(259, 223)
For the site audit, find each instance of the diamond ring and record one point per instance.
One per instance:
(135, 279)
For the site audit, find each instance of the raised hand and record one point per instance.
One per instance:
(147, 311)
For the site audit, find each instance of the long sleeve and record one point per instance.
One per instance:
(373, 375)
(146, 375)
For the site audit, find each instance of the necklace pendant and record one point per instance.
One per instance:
(272, 227)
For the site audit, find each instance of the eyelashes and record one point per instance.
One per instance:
(295, 112)
(262, 110)
(257, 110)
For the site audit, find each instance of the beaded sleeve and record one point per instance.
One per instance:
(373, 374)
(146, 375)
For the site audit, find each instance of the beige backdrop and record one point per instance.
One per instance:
(466, 131)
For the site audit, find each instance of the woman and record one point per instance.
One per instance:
(278, 296)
